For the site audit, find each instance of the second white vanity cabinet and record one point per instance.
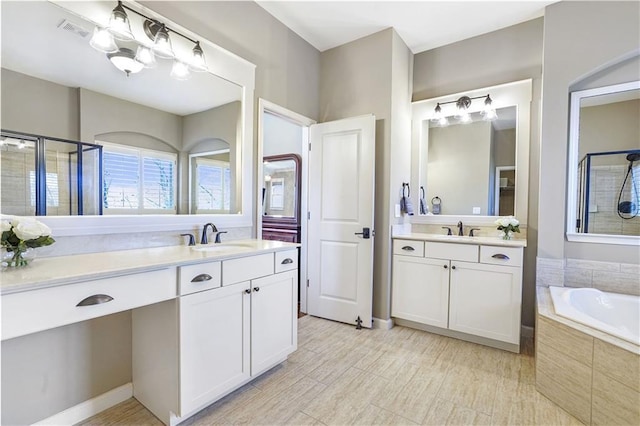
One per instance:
(469, 291)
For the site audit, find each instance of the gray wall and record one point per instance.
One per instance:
(597, 35)
(280, 136)
(372, 75)
(38, 106)
(510, 54)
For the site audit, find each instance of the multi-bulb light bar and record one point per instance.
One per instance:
(462, 110)
(130, 62)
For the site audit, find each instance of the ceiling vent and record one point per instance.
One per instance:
(73, 28)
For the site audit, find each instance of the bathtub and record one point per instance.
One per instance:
(612, 313)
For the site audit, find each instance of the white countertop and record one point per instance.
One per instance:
(54, 271)
(489, 241)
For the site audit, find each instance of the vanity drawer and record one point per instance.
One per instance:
(204, 276)
(247, 268)
(408, 248)
(452, 251)
(41, 309)
(286, 260)
(511, 256)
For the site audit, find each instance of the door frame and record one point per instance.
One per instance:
(265, 106)
(496, 188)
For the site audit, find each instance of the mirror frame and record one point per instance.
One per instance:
(292, 220)
(222, 63)
(518, 94)
(572, 169)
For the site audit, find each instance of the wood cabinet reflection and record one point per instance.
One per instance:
(281, 198)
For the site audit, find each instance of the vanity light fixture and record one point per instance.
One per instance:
(119, 28)
(463, 104)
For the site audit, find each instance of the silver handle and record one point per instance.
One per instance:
(500, 256)
(201, 277)
(96, 299)
(286, 261)
(408, 248)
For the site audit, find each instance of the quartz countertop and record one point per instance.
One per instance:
(490, 241)
(54, 271)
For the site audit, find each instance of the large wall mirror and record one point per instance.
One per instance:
(172, 144)
(476, 164)
(604, 165)
(281, 197)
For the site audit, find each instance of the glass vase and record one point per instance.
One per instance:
(17, 258)
(507, 235)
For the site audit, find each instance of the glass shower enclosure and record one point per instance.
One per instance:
(48, 176)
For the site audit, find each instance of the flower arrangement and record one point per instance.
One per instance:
(21, 235)
(508, 225)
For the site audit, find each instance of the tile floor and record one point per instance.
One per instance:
(342, 376)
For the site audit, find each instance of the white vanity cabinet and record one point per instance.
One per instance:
(468, 291)
(225, 336)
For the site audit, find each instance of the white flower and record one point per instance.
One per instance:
(5, 225)
(30, 229)
(506, 221)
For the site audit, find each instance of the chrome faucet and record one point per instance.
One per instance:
(460, 229)
(204, 239)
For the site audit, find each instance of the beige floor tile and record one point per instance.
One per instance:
(372, 415)
(471, 388)
(444, 412)
(302, 419)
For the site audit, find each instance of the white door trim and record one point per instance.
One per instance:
(266, 106)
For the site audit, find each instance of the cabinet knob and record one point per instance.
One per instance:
(202, 277)
(446, 267)
(453, 267)
(256, 289)
(96, 299)
(248, 291)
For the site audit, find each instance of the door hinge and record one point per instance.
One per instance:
(308, 215)
(309, 146)
(307, 283)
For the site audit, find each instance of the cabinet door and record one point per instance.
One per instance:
(485, 300)
(421, 290)
(214, 342)
(274, 325)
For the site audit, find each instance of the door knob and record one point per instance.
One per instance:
(366, 233)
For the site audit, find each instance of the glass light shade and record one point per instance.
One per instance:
(443, 122)
(119, 24)
(162, 44)
(489, 114)
(197, 63)
(124, 60)
(464, 116)
(437, 113)
(145, 56)
(102, 40)
(180, 70)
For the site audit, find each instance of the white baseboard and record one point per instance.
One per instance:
(89, 408)
(383, 324)
(526, 331)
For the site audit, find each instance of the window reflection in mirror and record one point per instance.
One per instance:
(210, 176)
(471, 166)
(78, 94)
(608, 173)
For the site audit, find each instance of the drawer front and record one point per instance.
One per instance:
(247, 268)
(511, 256)
(452, 251)
(286, 260)
(36, 310)
(199, 277)
(408, 248)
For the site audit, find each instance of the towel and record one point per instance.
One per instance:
(406, 205)
(423, 204)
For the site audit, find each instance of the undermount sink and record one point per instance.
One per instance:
(222, 247)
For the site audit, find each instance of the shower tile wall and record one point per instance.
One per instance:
(14, 166)
(605, 186)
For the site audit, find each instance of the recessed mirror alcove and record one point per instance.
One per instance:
(474, 165)
(604, 165)
(151, 123)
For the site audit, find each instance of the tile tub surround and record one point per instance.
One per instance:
(606, 276)
(592, 375)
(341, 376)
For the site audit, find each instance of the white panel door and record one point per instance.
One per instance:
(274, 322)
(341, 196)
(214, 342)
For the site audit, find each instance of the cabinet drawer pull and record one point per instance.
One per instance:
(408, 248)
(446, 267)
(287, 261)
(96, 299)
(453, 267)
(500, 256)
(201, 277)
(256, 289)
